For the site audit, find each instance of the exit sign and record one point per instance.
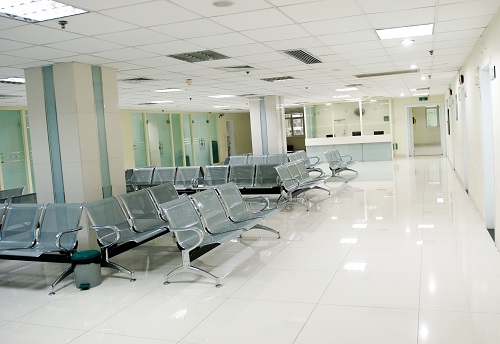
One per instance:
(423, 99)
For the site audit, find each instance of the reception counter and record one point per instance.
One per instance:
(361, 148)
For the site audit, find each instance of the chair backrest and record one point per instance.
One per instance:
(3, 206)
(266, 175)
(20, 225)
(58, 217)
(164, 175)
(257, 159)
(163, 193)
(332, 160)
(277, 159)
(301, 167)
(303, 156)
(294, 170)
(27, 198)
(242, 175)
(186, 176)
(294, 156)
(142, 177)
(215, 175)
(238, 160)
(141, 210)
(107, 212)
(212, 211)
(285, 178)
(8, 193)
(181, 213)
(336, 153)
(233, 201)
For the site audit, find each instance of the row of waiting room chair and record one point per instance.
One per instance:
(258, 176)
(277, 159)
(16, 195)
(47, 232)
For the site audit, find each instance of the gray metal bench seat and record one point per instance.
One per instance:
(215, 175)
(336, 163)
(293, 184)
(199, 221)
(54, 241)
(187, 177)
(310, 162)
(237, 208)
(163, 175)
(120, 228)
(140, 177)
(6, 194)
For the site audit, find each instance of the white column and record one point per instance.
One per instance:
(267, 122)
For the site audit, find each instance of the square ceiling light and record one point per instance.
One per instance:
(406, 31)
(36, 10)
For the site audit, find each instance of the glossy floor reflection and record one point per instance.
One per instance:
(396, 255)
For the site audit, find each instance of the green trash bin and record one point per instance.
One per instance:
(87, 269)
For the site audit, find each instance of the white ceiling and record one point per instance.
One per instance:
(134, 36)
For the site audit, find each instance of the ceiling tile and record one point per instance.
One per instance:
(254, 20)
(349, 37)
(463, 24)
(8, 45)
(370, 6)
(191, 29)
(84, 45)
(96, 5)
(467, 9)
(321, 10)
(169, 48)
(125, 54)
(369, 47)
(7, 23)
(298, 43)
(41, 53)
(80, 24)
(339, 25)
(455, 35)
(136, 37)
(221, 41)
(151, 13)
(244, 50)
(402, 18)
(289, 2)
(36, 34)
(206, 9)
(276, 33)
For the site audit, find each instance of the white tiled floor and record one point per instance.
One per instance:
(396, 255)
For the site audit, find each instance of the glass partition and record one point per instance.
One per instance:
(175, 120)
(201, 139)
(12, 157)
(349, 118)
(139, 139)
(214, 138)
(159, 124)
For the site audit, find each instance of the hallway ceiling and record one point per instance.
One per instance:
(135, 37)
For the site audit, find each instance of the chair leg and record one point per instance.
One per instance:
(269, 229)
(187, 267)
(61, 277)
(108, 264)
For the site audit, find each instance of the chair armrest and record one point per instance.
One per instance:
(198, 232)
(347, 155)
(60, 234)
(319, 170)
(314, 157)
(115, 230)
(255, 199)
(294, 179)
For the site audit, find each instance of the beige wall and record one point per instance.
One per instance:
(242, 133)
(421, 133)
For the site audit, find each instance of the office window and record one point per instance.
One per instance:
(294, 124)
(432, 117)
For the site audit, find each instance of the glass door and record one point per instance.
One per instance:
(12, 156)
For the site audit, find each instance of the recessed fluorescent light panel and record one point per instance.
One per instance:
(407, 42)
(405, 31)
(15, 81)
(222, 96)
(36, 10)
(347, 89)
(159, 102)
(342, 96)
(166, 90)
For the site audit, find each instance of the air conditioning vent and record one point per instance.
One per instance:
(3, 96)
(354, 85)
(303, 56)
(396, 72)
(248, 95)
(279, 78)
(199, 56)
(137, 80)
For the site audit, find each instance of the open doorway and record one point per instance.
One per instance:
(426, 130)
